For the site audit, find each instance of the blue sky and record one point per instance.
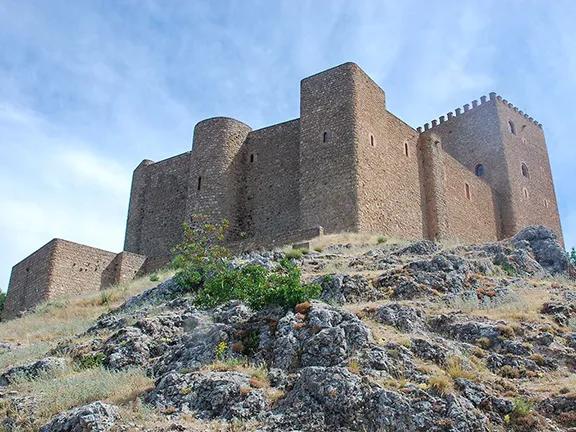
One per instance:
(90, 88)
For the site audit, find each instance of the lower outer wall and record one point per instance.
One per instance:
(62, 268)
(29, 282)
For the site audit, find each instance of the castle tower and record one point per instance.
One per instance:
(358, 162)
(506, 149)
(328, 168)
(214, 180)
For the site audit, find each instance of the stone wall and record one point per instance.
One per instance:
(78, 268)
(470, 212)
(158, 206)
(62, 268)
(328, 161)
(29, 281)
(215, 165)
(533, 197)
(389, 191)
(270, 205)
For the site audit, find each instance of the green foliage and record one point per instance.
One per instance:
(154, 277)
(522, 406)
(200, 255)
(258, 287)
(572, 256)
(91, 361)
(382, 239)
(510, 271)
(2, 301)
(204, 269)
(251, 341)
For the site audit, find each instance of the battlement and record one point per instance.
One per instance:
(467, 108)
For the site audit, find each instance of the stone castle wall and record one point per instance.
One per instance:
(270, 165)
(158, 203)
(62, 268)
(29, 281)
(346, 165)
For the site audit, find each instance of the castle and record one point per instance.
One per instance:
(346, 165)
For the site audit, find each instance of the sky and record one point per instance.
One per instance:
(90, 88)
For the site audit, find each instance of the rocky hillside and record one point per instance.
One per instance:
(405, 337)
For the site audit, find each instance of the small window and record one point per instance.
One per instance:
(467, 191)
(406, 149)
(525, 172)
(251, 158)
(372, 140)
(511, 127)
(325, 137)
(546, 203)
(479, 170)
(525, 191)
(199, 182)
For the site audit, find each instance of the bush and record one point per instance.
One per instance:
(91, 361)
(2, 300)
(257, 286)
(200, 255)
(204, 269)
(382, 240)
(572, 256)
(296, 253)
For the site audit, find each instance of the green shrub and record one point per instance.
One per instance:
(522, 406)
(510, 271)
(204, 269)
(572, 256)
(200, 255)
(382, 239)
(154, 277)
(257, 286)
(91, 361)
(2, 300)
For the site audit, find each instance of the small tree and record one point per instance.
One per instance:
(201, 254)
(203, 267)
(2, 301)
(572, 256)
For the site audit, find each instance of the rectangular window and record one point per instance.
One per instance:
(467, 191)
(199, 182)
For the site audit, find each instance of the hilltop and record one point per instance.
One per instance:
(403, 337)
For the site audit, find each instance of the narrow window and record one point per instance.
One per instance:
(251, 158)
(325, 137)
(546, 203)
(372, 140)
(199, 182)
(479, 170)
(511, 127)
(525, 172)
(406, 149)
(467, 191)
(525, 192)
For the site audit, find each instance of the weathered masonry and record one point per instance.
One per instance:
(478, 174)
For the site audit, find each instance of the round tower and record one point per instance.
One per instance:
(215, 171)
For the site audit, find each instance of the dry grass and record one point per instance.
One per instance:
(74, 388)
(522, 305)
(68, 316)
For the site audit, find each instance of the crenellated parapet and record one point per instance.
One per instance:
(467, 108)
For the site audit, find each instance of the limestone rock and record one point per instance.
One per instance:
(47, 366)
(96, 417)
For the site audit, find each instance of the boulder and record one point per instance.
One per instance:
(46, 367)
(543, 243)
(96, 417)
